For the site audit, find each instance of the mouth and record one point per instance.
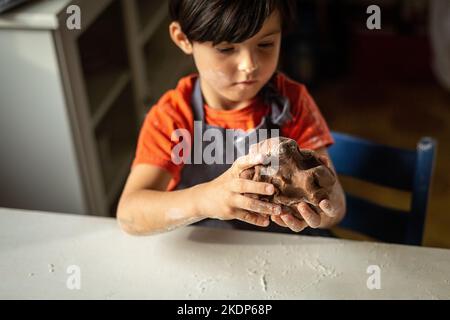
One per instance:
(249, 82)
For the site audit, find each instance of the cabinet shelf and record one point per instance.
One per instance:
(104, 89)
(151, 15)
(116, 137)
(104, 60)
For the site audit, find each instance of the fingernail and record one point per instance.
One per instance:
(328, 208)
(269, 189)
(326, 205)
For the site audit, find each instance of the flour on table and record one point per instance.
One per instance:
(263, 282)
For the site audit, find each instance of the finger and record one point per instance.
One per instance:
(279, 221)
(249, 186)
(311, 217)
(254, 205)
(328, 208)
(252, 218)
(293, 223)
(247, 161)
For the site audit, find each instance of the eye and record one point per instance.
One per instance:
(224, 50)
(266, 45)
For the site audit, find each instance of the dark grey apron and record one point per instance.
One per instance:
(193, 174)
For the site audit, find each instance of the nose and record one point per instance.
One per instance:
(247, 63)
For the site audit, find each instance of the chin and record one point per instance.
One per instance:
(241, 97)
(237, 95)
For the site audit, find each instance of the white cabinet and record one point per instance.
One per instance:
(72, 101)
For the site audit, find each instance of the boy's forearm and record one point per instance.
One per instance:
(146, 212)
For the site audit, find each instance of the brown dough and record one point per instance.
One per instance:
(301, 177)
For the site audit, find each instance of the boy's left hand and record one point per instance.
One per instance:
(330, 211)
(328, 215)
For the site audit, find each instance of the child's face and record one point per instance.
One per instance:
(223, 66)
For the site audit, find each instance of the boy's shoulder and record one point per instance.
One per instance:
(301, 102)
(294, 90)
(180, 96)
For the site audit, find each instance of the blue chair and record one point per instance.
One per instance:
(402, 169)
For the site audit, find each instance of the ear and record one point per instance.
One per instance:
(179, 38)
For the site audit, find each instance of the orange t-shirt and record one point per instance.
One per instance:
(173, 111)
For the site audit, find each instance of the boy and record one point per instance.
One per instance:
(235, 46)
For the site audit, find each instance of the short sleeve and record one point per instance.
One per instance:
(307, 126)
(155, 142)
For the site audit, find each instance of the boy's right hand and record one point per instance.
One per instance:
(222, 198)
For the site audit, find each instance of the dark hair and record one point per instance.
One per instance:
(231, 21)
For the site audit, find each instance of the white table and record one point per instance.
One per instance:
(37, 248)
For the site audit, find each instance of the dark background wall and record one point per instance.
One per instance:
(377, 84)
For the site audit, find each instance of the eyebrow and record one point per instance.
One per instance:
(271, 33)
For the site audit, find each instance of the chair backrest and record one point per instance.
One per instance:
(401, 169)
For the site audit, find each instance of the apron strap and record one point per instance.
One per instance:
(197, 102)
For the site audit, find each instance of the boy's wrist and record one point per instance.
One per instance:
(196, 196)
